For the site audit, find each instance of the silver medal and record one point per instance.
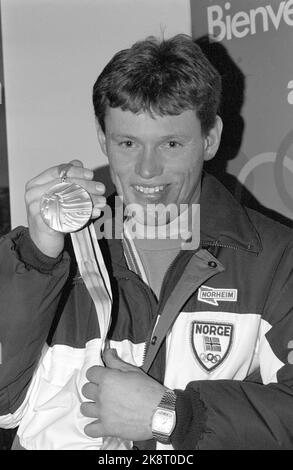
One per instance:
(66, 207)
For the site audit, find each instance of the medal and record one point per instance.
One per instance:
(66, 207)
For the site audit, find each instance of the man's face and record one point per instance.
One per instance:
(156, 160)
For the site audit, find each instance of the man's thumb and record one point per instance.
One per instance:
(113, 361)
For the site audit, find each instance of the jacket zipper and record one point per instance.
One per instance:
(144, 288)
(147, 290)
(167, 273)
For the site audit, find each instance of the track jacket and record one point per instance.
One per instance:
(219, 335)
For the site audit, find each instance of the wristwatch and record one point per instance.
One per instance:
(164, 418)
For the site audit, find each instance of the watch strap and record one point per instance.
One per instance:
(167, 404)
(168, 400)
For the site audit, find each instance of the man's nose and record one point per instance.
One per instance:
(149, 164)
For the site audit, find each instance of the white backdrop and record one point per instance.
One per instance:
(53, 51)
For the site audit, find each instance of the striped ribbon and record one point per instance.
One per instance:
(94, 273)
(95, 276)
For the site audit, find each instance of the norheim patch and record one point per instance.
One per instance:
(212, 296)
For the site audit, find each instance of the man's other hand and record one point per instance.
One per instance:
(123, 400)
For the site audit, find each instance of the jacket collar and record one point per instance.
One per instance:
(225, 222)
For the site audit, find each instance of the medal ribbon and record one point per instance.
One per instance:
(95, 276)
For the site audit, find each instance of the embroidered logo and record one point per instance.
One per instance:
(211, 343)
(212, 296)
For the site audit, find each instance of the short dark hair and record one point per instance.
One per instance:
(160, 77)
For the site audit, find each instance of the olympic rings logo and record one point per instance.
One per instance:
(280, 160)
(213, 358)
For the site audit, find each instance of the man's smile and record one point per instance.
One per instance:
(150, 193)
(149, 189)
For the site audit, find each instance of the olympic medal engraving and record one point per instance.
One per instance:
(66, 207)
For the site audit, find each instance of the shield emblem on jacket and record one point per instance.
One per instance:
(211, 343)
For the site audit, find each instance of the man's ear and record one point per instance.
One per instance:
(101, 138)
(213, 139)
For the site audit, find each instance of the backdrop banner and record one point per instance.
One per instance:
(251, 44)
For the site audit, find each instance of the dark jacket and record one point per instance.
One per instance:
(222, 341)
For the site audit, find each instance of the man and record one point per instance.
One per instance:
(198, 355)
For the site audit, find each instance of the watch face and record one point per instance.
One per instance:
(163, 421)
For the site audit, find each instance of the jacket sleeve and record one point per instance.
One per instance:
(30, 289)
(256, 413)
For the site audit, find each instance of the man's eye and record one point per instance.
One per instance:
(126, 144)
(173, 144)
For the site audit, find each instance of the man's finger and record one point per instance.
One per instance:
(89, 409)
(92, 187)
(77, 171)
(54, 173)
(94, 374)
(90, 391)
(76, 162)
(94, 429)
